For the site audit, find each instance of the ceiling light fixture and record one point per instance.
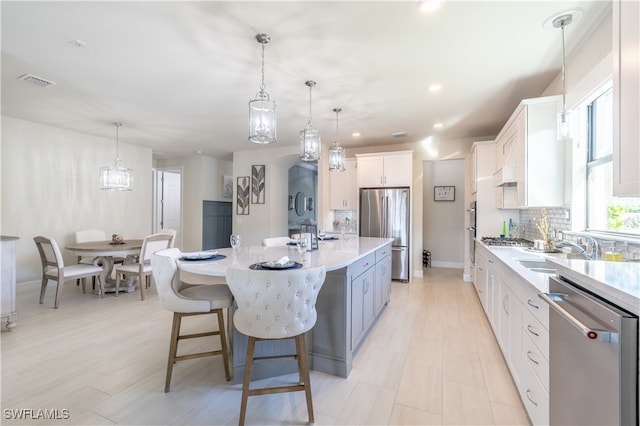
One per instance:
(337, 154)
(116, 177)
(436, 87)
(262, 111)
(310, 136)
(438, 125)
(563, 120)
(428, 6)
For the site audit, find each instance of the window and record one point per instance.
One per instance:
(604, 212)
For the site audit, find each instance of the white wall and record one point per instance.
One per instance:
(50, 187)
(444, 233)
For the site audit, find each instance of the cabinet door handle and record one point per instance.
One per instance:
(531, 330)
(529, 353)
(529, 393)
(533, 305)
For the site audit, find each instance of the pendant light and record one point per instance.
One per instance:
(563, 120)
(310, 136)
(116, 177)
(337, 154)
(262, 111)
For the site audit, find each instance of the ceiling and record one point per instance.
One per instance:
(179, 75)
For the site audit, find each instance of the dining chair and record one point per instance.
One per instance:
(188, 300)
(53, 268)
(276, 241)
(173, 233)
(142, 268)
(273, 305)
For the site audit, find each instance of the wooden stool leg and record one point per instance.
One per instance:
(248, 365)
(173, 348)
(303, 367)
(223, 343)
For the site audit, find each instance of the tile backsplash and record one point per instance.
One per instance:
(345, 217)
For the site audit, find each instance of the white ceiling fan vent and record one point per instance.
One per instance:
(35, 80)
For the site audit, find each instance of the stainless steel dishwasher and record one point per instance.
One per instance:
(593, 358)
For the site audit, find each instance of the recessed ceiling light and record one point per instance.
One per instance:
(399, 134)
(436, 87)
(355, 134)
(428, 6)
(198, 151)
(438, 125)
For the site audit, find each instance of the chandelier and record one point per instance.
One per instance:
(310, 136)
(337, 154)
(262, 111)
(116, 177)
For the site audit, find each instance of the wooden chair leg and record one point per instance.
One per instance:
(43, 289)
(303, 370)
(223, 343)
(142, 284)
(98, 279)
(59, 285)
(84, 285)
(173, 348)
(248, 365)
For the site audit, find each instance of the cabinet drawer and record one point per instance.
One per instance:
(534, 397)
(381, 253)
(361, 265)
(536, 360)
(535, 305)
(537, 333)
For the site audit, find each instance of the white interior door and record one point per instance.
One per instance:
(169, 202)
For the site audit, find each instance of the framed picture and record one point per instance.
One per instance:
(227, 186)
(444, 193)
(242, 197)
(257, 184)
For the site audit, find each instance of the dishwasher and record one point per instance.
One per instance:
(593, 358)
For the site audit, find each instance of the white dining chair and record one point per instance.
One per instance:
(187, 300)
(274, 305)
(276, 241)
(54, 269)
(142, 268)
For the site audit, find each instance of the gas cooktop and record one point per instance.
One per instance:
(511, 242)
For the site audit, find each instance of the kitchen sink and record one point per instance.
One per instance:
(537, 266)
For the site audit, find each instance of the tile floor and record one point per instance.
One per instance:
(430, 359)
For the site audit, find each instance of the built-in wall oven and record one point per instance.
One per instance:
(593, 358)
(472, 232)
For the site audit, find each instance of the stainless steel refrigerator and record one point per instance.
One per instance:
(384, 212)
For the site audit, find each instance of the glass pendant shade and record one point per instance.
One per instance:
(116, 177)
(262, 119)
(563, 118)
(262, 111)
(310, 137)
(337, 157)
(337, 154)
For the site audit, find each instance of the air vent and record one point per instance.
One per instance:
(35, 80)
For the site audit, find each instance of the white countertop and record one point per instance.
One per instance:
(617, 282)
(333, 254)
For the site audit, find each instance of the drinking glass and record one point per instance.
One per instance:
(301, 244)
(234, 239)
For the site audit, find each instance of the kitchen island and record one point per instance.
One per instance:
(355, 291)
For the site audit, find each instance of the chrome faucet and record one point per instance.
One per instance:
(592, 254)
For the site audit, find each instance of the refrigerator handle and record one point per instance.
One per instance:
(385, 211)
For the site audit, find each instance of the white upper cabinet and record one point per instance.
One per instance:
(529, 157)
(389, 169)
(626, 102)
(344, 187)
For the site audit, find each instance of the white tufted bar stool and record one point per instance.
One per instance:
(187, 300)
(276, 305)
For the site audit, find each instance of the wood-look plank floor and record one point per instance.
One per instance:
(430, 359)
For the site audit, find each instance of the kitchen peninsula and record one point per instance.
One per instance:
(355, 291)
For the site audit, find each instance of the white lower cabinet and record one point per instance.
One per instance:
(520, 322)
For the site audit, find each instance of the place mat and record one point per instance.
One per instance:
(204, 259)
(264, 266)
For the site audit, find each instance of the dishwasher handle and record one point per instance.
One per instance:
(590, 333)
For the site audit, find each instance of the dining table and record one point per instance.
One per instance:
(103, 254)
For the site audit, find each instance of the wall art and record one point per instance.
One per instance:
(257, 184)
(242, 198)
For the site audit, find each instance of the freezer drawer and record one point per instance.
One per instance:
(400, 263)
